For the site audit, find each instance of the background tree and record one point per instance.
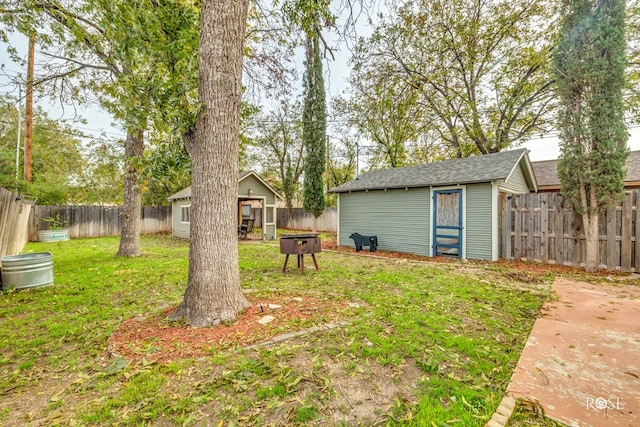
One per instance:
(213, 293)
(341, 162)
(100, 182)
(386, 112)
(309, 17)
(289, 184)
(57, 156)
(121, 51)
(167, 169)
(632, 88)
(278, 148)
(314, 127)
(8, 137)
(590, 66)
(479, 68)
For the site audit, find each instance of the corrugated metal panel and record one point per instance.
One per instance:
(257, 188)
(479, 221)
(400, 218)
(180, 229)
(516, 183)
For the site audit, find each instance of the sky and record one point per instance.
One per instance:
(99, 123)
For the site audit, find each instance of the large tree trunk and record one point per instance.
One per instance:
(590, 209)
(590, 223)
(213, 292)
(130, 232)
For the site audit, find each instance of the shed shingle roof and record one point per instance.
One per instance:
(547, 176)
(468, 170)
(186, 192)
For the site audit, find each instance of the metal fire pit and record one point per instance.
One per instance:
(301, 245)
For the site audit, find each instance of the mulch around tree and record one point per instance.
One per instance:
(153, 338)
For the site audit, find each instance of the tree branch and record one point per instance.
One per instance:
(58, 76)
(79, 63)
(70, 21)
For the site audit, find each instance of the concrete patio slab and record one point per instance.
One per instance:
(582, 359)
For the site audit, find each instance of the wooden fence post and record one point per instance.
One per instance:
(559, 229)
(544, 227)
(530, 203)
(626, 232)
(575, 244)
(637, 231)
(611, 239)
(505, 211)
(517, 230)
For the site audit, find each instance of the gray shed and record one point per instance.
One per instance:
(448, 207)
(252, 190)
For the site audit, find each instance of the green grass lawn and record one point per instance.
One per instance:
(426, 344)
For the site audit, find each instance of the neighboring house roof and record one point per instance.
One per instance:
(186, 193)
(547, 176)
(467, 170)
(546, 173)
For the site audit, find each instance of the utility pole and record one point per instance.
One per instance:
(19, 140)
(28, 134)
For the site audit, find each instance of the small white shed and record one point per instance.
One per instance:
(253, 190)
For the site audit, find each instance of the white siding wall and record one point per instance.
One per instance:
(180, 229)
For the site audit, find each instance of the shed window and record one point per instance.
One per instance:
(246, 211)
(186, 214)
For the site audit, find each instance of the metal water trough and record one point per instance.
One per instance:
(53, 235)
(27, 270)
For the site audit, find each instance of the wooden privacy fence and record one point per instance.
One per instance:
(543, 227)
(99, 221)
(298, 219)
(14, 222)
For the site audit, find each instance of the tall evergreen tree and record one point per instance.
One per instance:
(314, 128)
(590, 63)
(289, 184)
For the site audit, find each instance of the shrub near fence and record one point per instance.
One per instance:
(543, 227)
(99, 221)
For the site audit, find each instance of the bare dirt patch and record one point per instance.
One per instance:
(343, 390)
(369, 394)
